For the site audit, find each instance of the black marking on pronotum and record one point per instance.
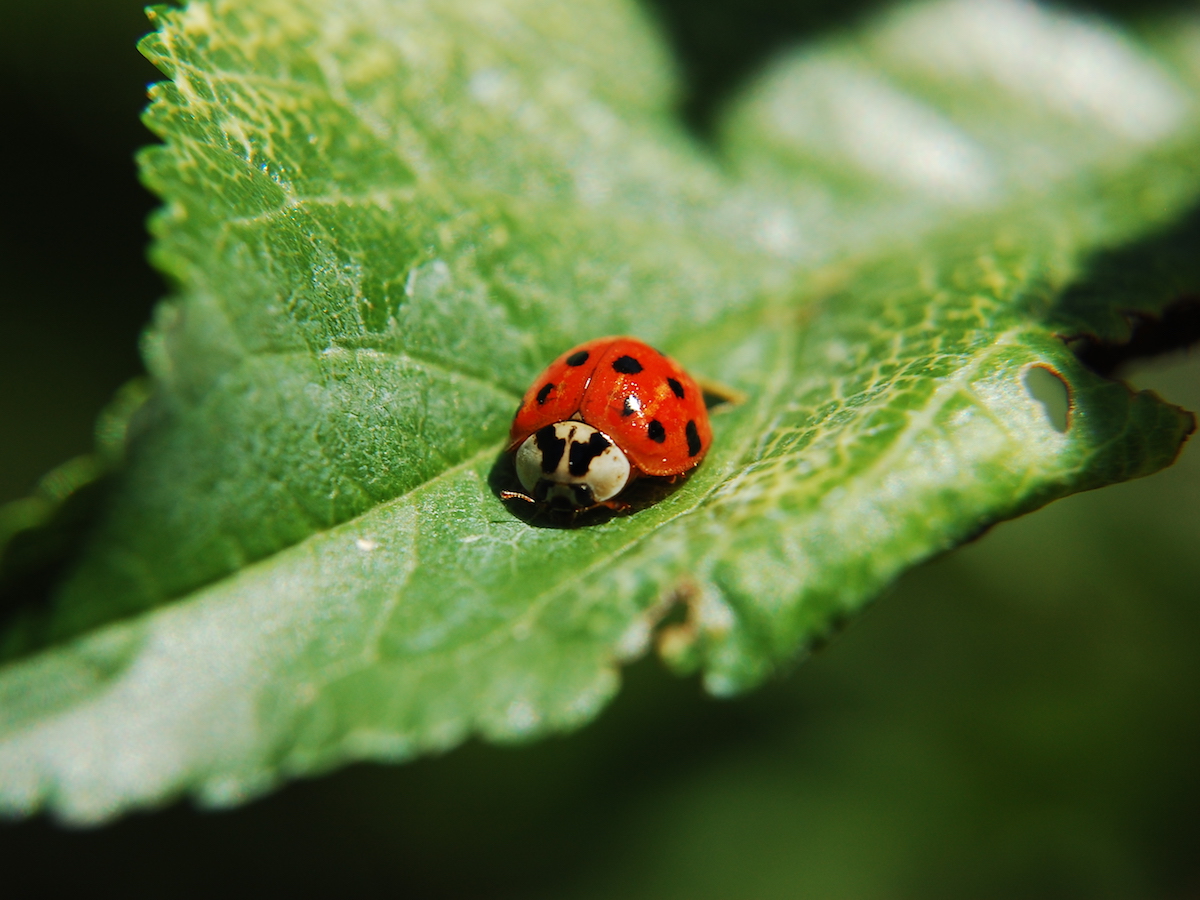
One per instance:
(581, 454)
(656, 432)
(628, 409)
(627, 365)
(577, 359)
(552, 447)
(676, 388)
(693, 437)
(544, 392)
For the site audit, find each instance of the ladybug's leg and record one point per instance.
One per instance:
(538, 510)
(614, 505)
(516, 495)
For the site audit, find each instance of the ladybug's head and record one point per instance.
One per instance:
(571, 465)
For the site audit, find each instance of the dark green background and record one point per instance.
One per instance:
(1020, 719)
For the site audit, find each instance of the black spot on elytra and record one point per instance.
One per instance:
(656, 432)
(693, 437)
(544, 392)
(676, 388)
(627, 365)
(552, 447)
(582, 454)
(628, 409)
(577, 359)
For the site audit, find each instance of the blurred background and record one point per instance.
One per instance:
(1018, 719)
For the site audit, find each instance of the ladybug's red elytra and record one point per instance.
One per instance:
(602, 415)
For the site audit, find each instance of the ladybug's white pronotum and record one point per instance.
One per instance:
(602, 415)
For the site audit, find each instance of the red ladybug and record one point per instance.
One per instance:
(603, 414)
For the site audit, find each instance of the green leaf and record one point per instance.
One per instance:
(384, 219)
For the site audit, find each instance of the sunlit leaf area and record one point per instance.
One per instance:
(922, 623)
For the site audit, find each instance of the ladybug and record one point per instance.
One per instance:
(602, 415)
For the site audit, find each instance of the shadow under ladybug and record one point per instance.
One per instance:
(582, 512)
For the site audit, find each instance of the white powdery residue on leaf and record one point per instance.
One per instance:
(430, 279)
(493, 87)
(634, 640)
(1008, 397)
(190, 701)
(521, 716)
(779, 233)
(589, 701)
(599, 122)
(1077, 67)
(140, 737)
(592, 185)
(713, 613)
(1004, 426)
(369, 743)
(196, 18)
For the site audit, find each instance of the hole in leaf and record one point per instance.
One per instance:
(1048, 388)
